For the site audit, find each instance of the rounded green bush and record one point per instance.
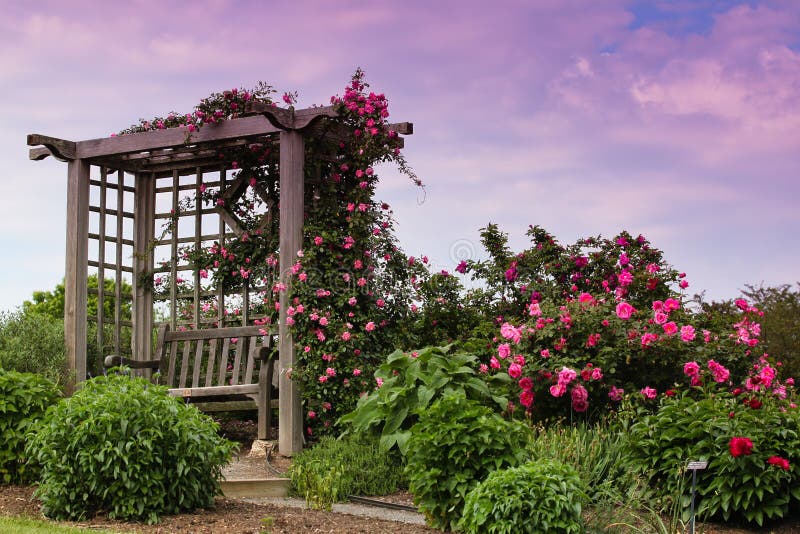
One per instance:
(455, 444)
(123, 446)
(24, 397)
(544, 496)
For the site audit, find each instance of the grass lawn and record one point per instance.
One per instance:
(17, 525)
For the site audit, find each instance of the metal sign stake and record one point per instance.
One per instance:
(695, 467)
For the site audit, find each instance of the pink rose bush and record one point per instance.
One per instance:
(612, 305)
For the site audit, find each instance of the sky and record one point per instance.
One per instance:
(679, 120)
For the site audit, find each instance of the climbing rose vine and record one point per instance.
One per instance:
(350, 286)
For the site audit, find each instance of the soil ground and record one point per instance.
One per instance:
(228, 516)
(245, 516)
(278, 516)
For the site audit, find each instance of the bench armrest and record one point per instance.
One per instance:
(118, 361)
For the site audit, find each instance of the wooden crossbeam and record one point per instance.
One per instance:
(111, 239)
(126, 188)
(110, 266)
(126, 214)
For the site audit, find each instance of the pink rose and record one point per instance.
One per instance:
(526, 398)
(625, 278)
(687, 333)
(625, 310)
(616, 393)
(503, 351)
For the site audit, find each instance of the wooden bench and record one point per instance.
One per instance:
(215, 366)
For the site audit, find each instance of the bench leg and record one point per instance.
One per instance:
(264, 411)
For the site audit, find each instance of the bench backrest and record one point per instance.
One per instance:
(211, 357)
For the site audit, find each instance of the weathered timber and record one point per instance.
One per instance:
(75, 296)
(59, 148)
(290, 428)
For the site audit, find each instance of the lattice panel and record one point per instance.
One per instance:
(110, 253)
(182, 297)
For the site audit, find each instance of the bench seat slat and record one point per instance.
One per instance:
(173, 355)
(251, 355)
(212, 355)
(223, 361)
(239, 347)
(198, 362)
(187, 348)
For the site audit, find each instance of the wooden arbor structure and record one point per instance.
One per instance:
(115, 187)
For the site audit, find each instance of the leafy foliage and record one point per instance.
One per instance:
(538, 497)
(410, 382)
(449, 315)
(548, 270)
(24, 397)
(33, 343)
(704, 425)
(124, 446)
(455, 444)
(335, 468)
(780, 325)
(51, 303)
(595, 452)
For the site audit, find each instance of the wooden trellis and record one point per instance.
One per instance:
(117, 190)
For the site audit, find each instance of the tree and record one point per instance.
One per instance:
(51, 303)
(780, 325)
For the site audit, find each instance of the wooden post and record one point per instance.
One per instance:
(76, 270)
(144, 208)
(290, 416)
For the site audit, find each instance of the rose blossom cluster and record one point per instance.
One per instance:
(591, 327)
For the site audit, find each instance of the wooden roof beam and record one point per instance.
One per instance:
(175, 137)
(59, 148)
(288, 119)
(271, 120)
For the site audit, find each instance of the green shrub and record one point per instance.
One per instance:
(353, 465)
(24, 397)
(742, 486)
(410, 383)
(455, 445)
(543, 496)
(595, 451)
(33, 343)
(123, 446)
